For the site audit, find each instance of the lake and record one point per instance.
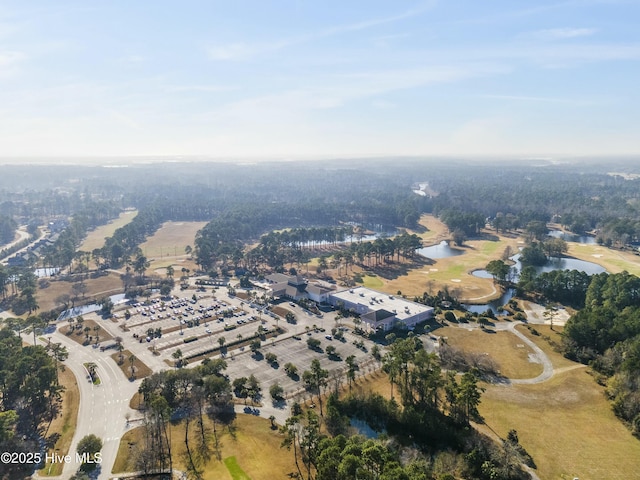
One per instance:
(442, 250)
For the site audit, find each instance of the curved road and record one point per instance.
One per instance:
(103, 408)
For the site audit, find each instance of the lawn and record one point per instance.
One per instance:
(63, 426)
(234, 469)
(97, 287)
(167, 246)
(371, 281)
(454, 272)
(615, 261)
(508, 351)
(95, 238)
(566, 423)
(255, 446)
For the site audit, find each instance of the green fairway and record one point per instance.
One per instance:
(234, 469)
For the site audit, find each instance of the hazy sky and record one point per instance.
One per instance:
(287, 78)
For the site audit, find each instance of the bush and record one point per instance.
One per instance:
(190, 339)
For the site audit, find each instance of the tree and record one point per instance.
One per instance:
(271, 358)
(177, 356)
(89, 449)
(290, 369)
(352, 368)
(315, 379)
(132, 361)
(277, 392)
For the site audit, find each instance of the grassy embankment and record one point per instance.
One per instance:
(251, 441)
(63, 426)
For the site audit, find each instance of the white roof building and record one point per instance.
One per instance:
(381, 311)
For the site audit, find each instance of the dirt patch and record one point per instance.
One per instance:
(140, 369)
(89, 337)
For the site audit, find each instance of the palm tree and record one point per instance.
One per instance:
(132, 360)
(170, 271)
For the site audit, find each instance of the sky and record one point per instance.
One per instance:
(302, 78)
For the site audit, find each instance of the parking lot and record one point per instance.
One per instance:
(213, 315)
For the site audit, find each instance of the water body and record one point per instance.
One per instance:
(90, 308)
(570, 237)
(442, 250)
(553, 264)
(363, 428)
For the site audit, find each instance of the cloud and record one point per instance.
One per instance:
(9, 62)
(562, 33)
(242, 51)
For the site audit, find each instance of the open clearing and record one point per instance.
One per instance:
(504, 348)
(454, 272)
(565, 423)
(615, 261)
(64, 425)
(166, 247)
(252, 442)
(98, 287)
(95, 238)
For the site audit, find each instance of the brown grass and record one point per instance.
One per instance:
(567, 425)
(507, 350)
(254, 444)
(97, 288)
(95, 238)
(166, 246)
(79, 335)
(65, 424)
(139, 367)
(454, 272)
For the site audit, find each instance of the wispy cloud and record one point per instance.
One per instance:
(9, 62)
(200, 88)
(540, 99)
(241, 50)
(561, 33)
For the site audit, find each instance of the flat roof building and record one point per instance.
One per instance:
(381, 311)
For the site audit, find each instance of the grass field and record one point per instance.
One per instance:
(454, 272)
(615, 261)
(95, 238)
(255, 446)
(566, 423)
(97, 288)
(507, 350)
(65, 424)
(234, 469)
(167, 246)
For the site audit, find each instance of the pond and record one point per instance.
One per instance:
(363, 428)
(442, 250)
(92, 307)
(570, 237)
(553, 264)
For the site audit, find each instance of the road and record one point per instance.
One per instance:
(103, 408)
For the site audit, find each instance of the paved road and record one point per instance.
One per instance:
(103, 408)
